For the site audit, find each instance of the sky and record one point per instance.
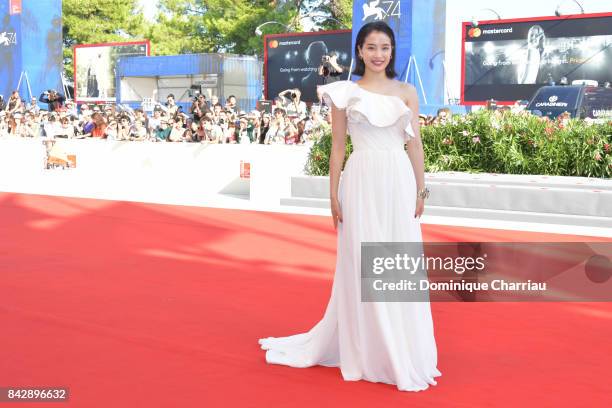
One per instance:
(150, 8)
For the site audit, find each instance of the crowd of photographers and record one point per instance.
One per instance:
(286, 121)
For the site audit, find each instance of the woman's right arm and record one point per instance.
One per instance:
(336, 159)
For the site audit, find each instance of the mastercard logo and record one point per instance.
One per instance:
(474, 32)
(273, 44)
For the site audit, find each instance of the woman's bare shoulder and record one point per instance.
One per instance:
(405, 88)
(407, 92)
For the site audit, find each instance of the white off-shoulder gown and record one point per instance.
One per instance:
(389, 342)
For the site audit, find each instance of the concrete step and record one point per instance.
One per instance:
(578, 196)
(480, 214)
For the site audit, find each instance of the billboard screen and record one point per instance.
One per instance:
(292, 60)
(94, 68)
(508, 60)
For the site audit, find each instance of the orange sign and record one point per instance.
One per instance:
(245, 169)
(15, 7)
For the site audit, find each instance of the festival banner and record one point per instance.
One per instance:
(292, 60)
(508, 60)
(94, 68)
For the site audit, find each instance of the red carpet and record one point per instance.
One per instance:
(143, 305)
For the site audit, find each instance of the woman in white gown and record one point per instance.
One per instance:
(379, 197)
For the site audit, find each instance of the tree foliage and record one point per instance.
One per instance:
(191, 26)
(95, 21)
(195, 26)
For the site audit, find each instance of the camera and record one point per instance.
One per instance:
(325, 58)
(293, 95)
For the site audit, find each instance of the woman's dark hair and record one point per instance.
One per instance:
(382, 27)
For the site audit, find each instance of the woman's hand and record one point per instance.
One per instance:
(336, 212)
(420, 207)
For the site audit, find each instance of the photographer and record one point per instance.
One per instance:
(199, 107)
(292, 104)
(53, 99)
(172, 107)
(14, 103)
(330, 69)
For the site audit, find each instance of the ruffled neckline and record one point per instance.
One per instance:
(380, 110)
(384, 117)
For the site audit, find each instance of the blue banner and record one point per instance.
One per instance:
(398, 15)
(10, 51)
(419, 27)
(31, 46)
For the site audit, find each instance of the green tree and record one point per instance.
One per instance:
(192, 26)
(329, 15)
(95, 21)
(195, 26)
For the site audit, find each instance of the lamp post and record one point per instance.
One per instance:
(258, 28)
(475, 21)
(558, 13)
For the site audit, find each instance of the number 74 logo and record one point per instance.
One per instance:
(374, 8)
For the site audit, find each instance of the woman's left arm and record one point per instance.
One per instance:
(415, 145)
(415, 148)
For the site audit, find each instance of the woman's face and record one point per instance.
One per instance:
(376, 51)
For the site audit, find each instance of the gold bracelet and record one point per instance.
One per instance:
(423, 193)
